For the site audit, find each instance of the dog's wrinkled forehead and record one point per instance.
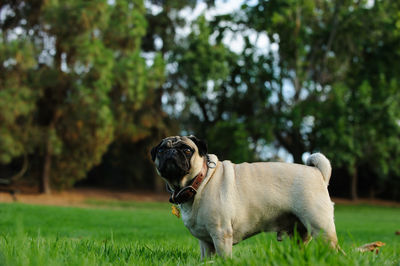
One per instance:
(171, 142)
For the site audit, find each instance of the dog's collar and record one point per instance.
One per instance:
(187, 193)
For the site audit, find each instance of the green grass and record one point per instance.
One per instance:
(137, 233)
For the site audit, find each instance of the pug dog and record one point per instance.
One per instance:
(223, 203)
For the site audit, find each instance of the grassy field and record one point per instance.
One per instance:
(129, 233)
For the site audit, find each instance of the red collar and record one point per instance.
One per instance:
(187, 193)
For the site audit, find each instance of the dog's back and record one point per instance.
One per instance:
(268, 191)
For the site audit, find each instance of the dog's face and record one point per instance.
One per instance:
(178, 159)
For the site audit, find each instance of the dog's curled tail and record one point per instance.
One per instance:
(322, 163)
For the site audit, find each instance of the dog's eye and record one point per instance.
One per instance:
(160, 150)
(187, 151)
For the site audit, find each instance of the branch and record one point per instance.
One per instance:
(334, 28)
(7, 181)
(284, 141)
(203, 109)
(332, 35)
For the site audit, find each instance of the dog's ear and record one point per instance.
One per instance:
(201, 145)
(154, 151)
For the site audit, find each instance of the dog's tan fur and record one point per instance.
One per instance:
(236, 201)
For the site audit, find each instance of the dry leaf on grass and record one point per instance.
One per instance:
(374, 246)
(397, 232)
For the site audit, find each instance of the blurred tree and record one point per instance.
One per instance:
(201, 76)
(77, 76)
(268, 91)
(17, 101)
(118, 169)
(165, 18)
(359, 123)
(318, 58)
(282, 89)
(309, 55)
(358, 129)
(80, 82)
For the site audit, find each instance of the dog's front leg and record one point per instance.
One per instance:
(207, 249)
(223, 241)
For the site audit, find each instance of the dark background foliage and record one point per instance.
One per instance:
(88, 87)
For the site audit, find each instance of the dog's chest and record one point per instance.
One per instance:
(195, 224)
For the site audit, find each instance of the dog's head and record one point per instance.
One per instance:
(179, 159)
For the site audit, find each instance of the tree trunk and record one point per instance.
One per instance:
(159, 185)
(45, 182)
(353, 186)
(297, 157)
(292, 144)
(372, 192)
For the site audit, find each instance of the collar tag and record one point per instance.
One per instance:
(175, 211)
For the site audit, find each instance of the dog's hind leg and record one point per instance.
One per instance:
(329, 233)
(207, 249)
(318, 218)
(324, 225)
(223, 242)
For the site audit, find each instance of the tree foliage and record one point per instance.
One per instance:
(82, 83)
(79, 81)
(312, 86)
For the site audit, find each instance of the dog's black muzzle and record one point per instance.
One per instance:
(172, 168)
